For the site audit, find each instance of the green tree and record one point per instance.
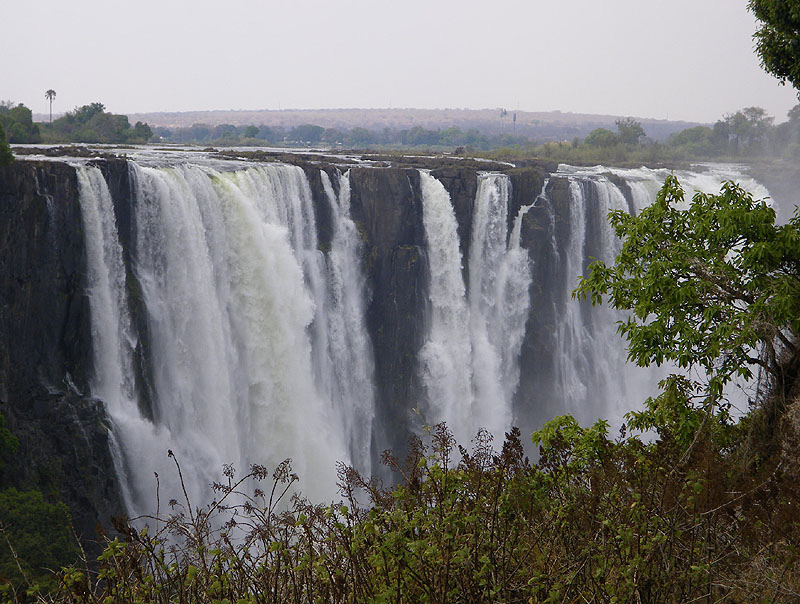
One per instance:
(630, 131)
(141, 133)
(748, 128)
(6, 157)
(306, 133)
(695, 141)
(39, 533)
(785, 137)
(93, 124)
(50, 95)
(361, 136)
(778, 38)
(714, 286)
(18, 123)
(84, 113)
(601, 137)
(333, 135)
(251, 132)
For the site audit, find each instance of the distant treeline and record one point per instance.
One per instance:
(87, 124)
(749, 132)
(311, 135)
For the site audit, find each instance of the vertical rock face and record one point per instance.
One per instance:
(387, 208)
(45, 358)
(44, 322)
(545, 232)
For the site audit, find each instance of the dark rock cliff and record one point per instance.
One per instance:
(546, 234)
(45, 359)
(387, 208)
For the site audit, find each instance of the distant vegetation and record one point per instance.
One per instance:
(748, 133)
(87, 124)
(313, 135)
(92, 124)
(745, 134)
(17, 121)
(6, 157)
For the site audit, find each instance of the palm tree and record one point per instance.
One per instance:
(50, 95)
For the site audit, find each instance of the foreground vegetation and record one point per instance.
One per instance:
(596, 519)
(686, 504)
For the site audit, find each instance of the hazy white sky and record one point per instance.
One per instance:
(676, 59)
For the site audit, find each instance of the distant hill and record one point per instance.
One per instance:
(551, 125)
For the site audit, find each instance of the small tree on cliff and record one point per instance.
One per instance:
(6, 157)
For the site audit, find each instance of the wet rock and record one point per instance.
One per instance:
(46, 355)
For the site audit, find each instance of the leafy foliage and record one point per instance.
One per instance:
(17, 120)
(630, 131)
(601, 137)
(6, 156)
(594, 520)
(714, 285)
(35, 539)
(35, 535)
(92, 124)
(778, 38)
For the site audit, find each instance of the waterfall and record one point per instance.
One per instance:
(593, 378)
(446, 357)
(350, 367)
(112, 337)
(256, 344)
(229, 334)
(470, 361)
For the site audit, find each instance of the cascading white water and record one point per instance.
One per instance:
(446, 357)
(499, 278)
(112, 338)
(350, 367)
(594, 379)
(251, 342)
(470, 362)
(242, 312)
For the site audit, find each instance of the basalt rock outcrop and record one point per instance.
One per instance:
(46, 353)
